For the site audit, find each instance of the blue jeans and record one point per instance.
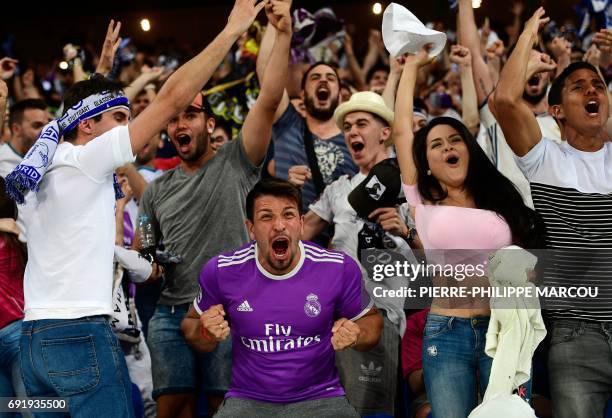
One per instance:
(580, 368)
(11, 383)
(78, 359)
(453, 362)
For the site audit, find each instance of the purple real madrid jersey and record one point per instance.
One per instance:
(281, 325)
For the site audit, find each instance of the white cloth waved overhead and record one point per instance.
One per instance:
(403, 33)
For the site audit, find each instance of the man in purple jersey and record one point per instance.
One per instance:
(290, 305)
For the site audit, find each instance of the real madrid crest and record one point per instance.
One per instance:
(312, 307)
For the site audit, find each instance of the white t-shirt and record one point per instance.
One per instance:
(333, 207)
(496, 147)
(71, 233)
(9, 159)
(149, 174)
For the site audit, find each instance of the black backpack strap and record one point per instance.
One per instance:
(317, 177)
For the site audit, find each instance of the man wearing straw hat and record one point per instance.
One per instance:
(363, 209)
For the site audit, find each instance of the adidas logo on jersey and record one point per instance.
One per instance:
(245, 307)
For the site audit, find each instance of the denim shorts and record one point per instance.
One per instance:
(177, 368)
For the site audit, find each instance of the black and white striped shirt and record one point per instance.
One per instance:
(572, 191)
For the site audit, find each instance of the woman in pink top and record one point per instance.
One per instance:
(461, 202)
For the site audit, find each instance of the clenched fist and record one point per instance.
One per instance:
(345, 334)
(214, 325)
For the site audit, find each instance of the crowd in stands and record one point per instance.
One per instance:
(165, 216)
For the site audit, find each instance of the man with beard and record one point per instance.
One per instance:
(26, 120)
(534, 96)
(377, 78)
(196, 210)
(310, 150)
(283, 348)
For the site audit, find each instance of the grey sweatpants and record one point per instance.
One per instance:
(369, 378)
(337, 407)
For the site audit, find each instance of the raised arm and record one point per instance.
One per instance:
(375, 45)
(181, 87)
(109, 48)
(516, 119)
(468, 36)
(263, 57)
(461, 56)
(3, 101)
(402, 125)
(395, 72)
(257, 129)
(515, 28)
(147, 75)
(603, 40)
(353, 64)
(561, 50)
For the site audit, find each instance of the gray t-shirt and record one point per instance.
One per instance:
(200, 215)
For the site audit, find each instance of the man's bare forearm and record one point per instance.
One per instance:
(192, 329)
(370, 327)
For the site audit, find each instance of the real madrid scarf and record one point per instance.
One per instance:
(29, 173)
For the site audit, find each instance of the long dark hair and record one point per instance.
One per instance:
(8, 209)
(490, 189)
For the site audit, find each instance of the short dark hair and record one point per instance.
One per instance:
(83, 89)
(315, 65)
(554, 94)
(272, 187)
(223, 124)
(18, 109)
(420, 104)
(374, 69)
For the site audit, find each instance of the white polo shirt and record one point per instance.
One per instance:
(71, 230)
(9, 159)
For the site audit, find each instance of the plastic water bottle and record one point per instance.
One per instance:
(146, 236)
